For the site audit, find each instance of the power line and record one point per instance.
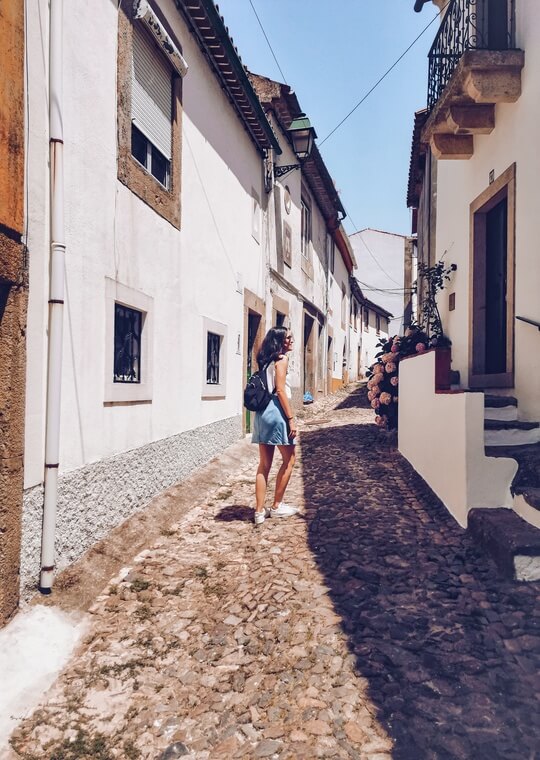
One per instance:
(393, 66)
(268, 41)
(368, 249)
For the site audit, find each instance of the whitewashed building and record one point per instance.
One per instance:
(473, 189)
(165, 245)
(174, 246)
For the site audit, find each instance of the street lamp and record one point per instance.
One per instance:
(303, 137)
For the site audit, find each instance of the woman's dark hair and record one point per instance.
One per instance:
(272, 346)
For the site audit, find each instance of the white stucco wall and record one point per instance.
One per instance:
(191, 275)
(370, 339)
(337, 280)
(514, 139)
(380, 265)
(442, 436)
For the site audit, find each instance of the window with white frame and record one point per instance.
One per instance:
(305, 233)
(151, 107)
(214, 359)
(128, 344)
(378, 324)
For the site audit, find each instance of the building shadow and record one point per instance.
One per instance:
(356, 400)
(449, 649)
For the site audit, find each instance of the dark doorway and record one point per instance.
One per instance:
(254, 322)
(492, 344)
(308, 355)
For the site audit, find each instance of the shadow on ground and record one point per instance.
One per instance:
(356, 400)
(450, 650)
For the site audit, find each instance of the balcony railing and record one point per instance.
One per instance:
(468, 25)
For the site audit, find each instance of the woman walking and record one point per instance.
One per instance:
(276, 425)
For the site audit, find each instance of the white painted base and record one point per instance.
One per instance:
(34, 647)
(525, 511)
(511, 437)
(501, 413)
(527, 568)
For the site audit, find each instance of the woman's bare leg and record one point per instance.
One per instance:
(284, 473)
(266, 455)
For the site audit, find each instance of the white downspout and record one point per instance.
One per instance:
(56, 295)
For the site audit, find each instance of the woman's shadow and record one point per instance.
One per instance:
(235, 513)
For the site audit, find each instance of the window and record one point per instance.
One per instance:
(255, 216)
(213, 348)
(330, 253)
(151, 107)
(366, 319)
(305, 230)
(214, 359)
(378, 324)
(149, 69)
(355, 316)
(280, 319)
(127, 344)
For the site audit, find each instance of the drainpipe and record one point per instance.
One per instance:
(56, 296)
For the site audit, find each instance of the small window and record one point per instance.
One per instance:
(127, 344)
(149, 156)
(366, 319)
(213, 349)
(330, 253)
(280, 319)
(378, 324)
(305, 230)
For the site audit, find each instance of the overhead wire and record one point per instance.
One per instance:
(383, 77)
(268, 41)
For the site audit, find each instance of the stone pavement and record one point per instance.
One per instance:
(368, 627)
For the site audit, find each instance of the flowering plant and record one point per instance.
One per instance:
(383, 375)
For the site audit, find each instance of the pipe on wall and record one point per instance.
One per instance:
(56, 295)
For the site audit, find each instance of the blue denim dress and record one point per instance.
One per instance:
(270, 426)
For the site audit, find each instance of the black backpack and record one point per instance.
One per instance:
(256, 393)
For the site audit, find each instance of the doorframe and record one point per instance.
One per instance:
(254, 304)
(503, 186)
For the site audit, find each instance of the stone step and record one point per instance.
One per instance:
(499, 401)
(527, 504)
(511, 542)
(510, 432)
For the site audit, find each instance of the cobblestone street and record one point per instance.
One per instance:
(367, 627)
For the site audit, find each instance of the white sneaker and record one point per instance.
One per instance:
(283, 510)
(260, 517)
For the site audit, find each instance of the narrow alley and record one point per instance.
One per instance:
(368, 627)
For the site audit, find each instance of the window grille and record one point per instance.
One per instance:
(213, 347)
(127, 344)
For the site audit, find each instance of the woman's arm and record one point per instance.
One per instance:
(281, 374)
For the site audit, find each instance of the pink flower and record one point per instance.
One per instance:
(378, 378)
(386, 358)
(385, 398)
(370, 396)
(391, 367)
(380, 421)
(420, 348)
(395, 348)
(375, 404)
(375, 391)
(394, 380)
(370, 384)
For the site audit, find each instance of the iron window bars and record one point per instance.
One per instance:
(468, 25)
(127, 344)
(213, 345)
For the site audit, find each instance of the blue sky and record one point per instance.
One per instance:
(332, 53)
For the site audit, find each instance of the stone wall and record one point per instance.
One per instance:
(94, 499)
(13, 299)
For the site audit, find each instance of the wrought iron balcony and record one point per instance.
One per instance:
(468, 25)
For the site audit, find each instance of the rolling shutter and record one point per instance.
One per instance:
(151, 93)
